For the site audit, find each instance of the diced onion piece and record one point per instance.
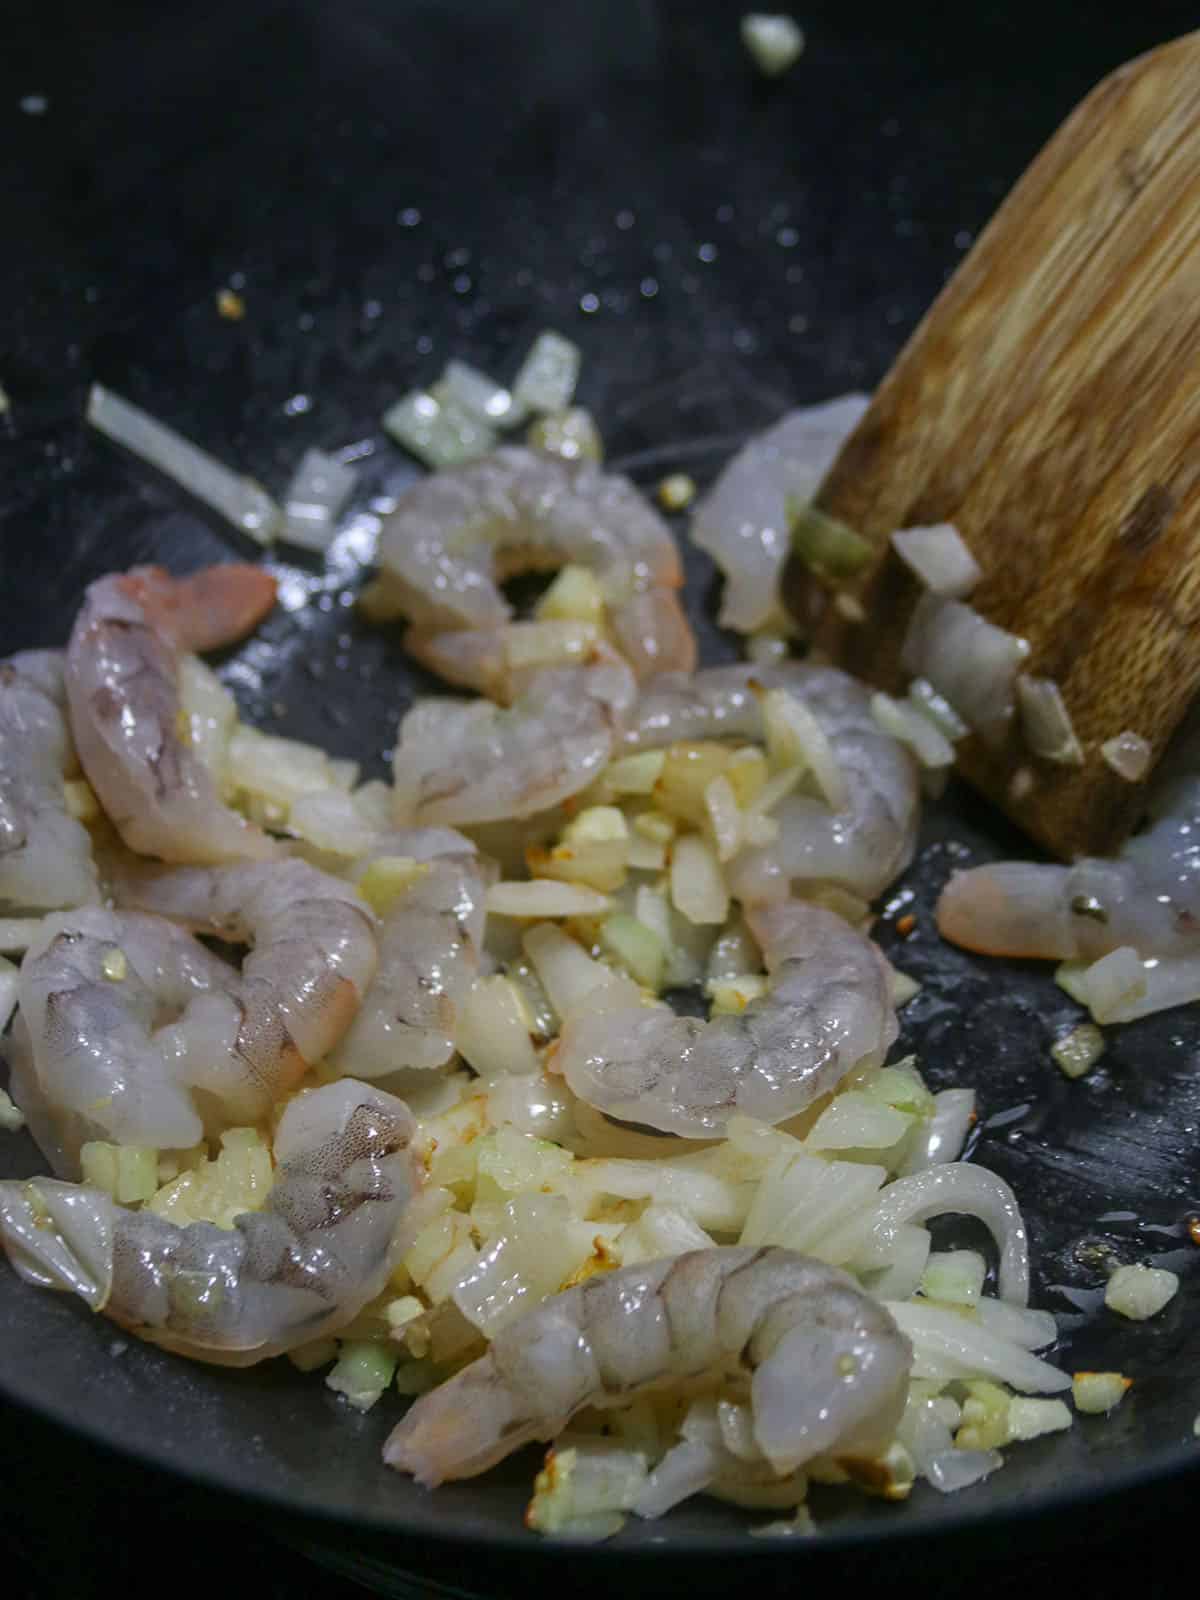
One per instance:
(795, 737)
(279, 771)
(548, 374)
(364, 1369)
(939, 558)
(651, 909)
(492, 1032)
(1110, 986)
(967, 659)
(904, 722)
(330, 820)
(17, 934)
(582, 1490)
(567, 973)
(698, 886)
(550, 642)
(1030, 1419)
(538, 1245)
(945, 1134)
(856, 1121)
(661, 1230)
(748, 773)
(775, 789)
(1079, 1052)
(960, 1187)
(937, 709)
(774, 42)
(1128, 754)
(387, 879)
(477, 394)
(438, 432)
(544, 897)
(211, 713)
(636, 774)
(314, 499)
(734, 953)
(676, 491)
(645, 856)
(571, 434)
(1046, 722)
(655, 826)
(1032, 1330)
(636, 947)
(948, 1346)
(1095, 1392)
(9, 985)
(128, 1172)
(909, 1250)
(574, 596)
(954, 1275)
(533, 1103)
(689, 766)
(1139, 1292)
(724, 817)
(731, 996)
(593, 851)
(241, 501)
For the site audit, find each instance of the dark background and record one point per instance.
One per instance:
(387, 185)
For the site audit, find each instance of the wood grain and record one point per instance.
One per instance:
(1049, 406)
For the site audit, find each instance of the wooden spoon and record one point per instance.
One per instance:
(1049, 406)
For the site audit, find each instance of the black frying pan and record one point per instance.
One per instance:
(389, 184)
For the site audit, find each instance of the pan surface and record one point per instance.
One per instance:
(388, 185)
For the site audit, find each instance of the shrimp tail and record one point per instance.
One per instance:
(208, 609)
(1009, 908)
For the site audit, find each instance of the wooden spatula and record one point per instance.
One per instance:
(1049, 406)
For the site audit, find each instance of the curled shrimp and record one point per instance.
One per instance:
(828, 1009)
(861, 847)
(45, 854)
(429, 948)
(460, 762)
(1148, 896)
(743, 520)
(829, 1368)
(456, 535)
(122, 688)
(322, 1247)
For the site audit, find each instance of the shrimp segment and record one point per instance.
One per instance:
(314, 954)
(45, 854)
(456, 535)
(829, 1366)
(122, 688)
(862, 847)
(323, 1246)
(429, 948)
(1147, 897)
(827, 1011)
(460, 762)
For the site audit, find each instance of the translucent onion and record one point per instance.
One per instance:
(314, 499)
(904, 722)
(967, 659)
(1046, 723)
(548, 375)
(1032, 1330)
(241, 501)
(944, 1135)
(948, 1346)
(939, 558)
(1128, 754)
(961, 1188)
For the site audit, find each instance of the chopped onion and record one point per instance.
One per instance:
(802, 1202)
(698, 885)
(492, 1032)
(1032, 1330)
(314, 499)
(947, 1345)
(477, 394)
(972, 1191)
(1079, 1052)
(905, 723)
(571, 434)
(774, 42)
(910, 1249)
(438, 432)
(661, 1230)
(937, 709)
(565, 969)
(1046, 722)
(575, 595)
(241, 501)
(954, 1275)
(724, 817)
(958, 1469)
(939, 558)
(1099, 1392)
(544, 897)
(1128, 754)
(945, 1134)
(532, 1103)
(548, 374)
(795, 737)
(854, 1121)
(1139, 1292)
(967, 659)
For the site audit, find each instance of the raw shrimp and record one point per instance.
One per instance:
(743, 520)
(828, 1010)
(304, 1266)
(456, 535)
(1147, 897)
(45, 854)
(463, 762)
(429, 947)
(829, 1366)
(314, 955)
(122, 687)
(862, 847)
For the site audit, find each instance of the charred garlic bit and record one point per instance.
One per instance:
(774, 42)
(969, 661)
(939, 558)
(1046, 722)
(1128, 754)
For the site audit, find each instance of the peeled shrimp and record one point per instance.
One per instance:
(743, 520)
(45, 854)
(1147, 897)
(456, 535)
(829, 1366)
(462, 762)
(429, 947)
(323, 1246)
(828, 1010)
(862, 847)
(122, 687)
